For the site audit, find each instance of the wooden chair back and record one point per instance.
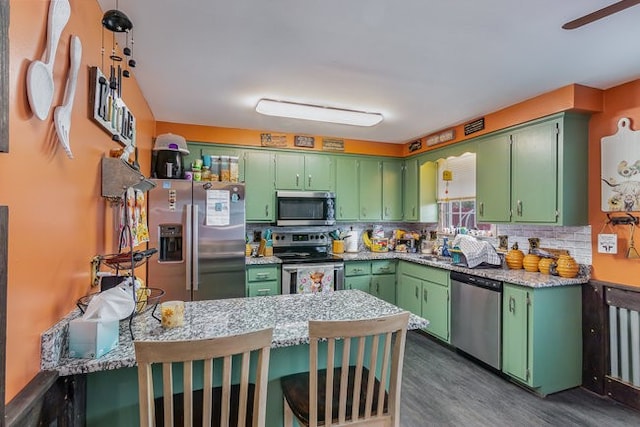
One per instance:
(386, 338)
(187, 352)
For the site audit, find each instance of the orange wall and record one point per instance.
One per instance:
(252, 138)
(621, 101)
(57, 219)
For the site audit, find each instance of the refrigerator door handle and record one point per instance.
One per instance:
(188, 244)
(194, 250)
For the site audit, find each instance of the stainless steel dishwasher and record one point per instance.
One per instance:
(476, 317)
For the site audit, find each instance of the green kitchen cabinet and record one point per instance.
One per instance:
(376, 277)
(262, 280)
(383, 280)
(370, 197)
(360, 283)
(538, 169)
(409, 294)
(347, 206)
(392, 190)
(493, 178)
(410, 187)
(312, 172)
(260, 186)
(534, 159)
(424, 291)
(542, 336)
(357, 275)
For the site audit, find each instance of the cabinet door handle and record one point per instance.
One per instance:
(266, 210)
(417, 296)
(309, 181)
(383, 268)
(297, 179)
(262, 275)
(425, 295)
(512, 305)
(413, 211)
(481, 209)
(341, 215)
(519, 208)
(364, 212)
(386, 211)
(377, 287)
(263, 292)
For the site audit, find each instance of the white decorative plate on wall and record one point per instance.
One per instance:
(621, 169)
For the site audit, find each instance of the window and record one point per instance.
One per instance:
(457, 193)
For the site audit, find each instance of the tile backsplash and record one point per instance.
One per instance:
(577, 240)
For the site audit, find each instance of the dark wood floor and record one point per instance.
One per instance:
(443, 388)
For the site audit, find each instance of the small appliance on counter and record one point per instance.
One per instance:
(167, 160)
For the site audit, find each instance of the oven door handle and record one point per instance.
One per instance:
(296, 267)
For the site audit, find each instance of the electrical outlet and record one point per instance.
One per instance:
(257, 235)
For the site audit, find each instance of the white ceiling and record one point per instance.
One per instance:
(424, 64)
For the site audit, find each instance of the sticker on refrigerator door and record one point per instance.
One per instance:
(217, 207)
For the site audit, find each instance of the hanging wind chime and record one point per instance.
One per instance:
(117, 22)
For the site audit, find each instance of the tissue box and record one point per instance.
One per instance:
(92, 338)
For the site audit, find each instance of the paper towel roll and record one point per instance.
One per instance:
(351, 241)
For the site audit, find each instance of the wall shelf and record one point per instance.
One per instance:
(118, 175)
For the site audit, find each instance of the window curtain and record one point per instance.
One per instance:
(463, 178)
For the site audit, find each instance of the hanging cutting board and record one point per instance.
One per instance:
(621, 169)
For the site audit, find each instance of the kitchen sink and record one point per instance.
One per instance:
(436, 258)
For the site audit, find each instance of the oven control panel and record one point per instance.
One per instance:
(301, 239)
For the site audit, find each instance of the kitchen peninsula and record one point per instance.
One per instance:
(112, 379)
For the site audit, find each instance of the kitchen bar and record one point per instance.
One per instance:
(112, 379)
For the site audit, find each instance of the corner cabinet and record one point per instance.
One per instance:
(260, 186)
(535, 173)
(424, 291)
(542, 336)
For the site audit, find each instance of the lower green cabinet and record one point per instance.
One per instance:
(375, 277)
(424, 291)
(542, 336)
(263, 280)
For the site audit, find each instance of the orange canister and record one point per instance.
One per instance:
(514, 258)
(530, 262)
(567, 266)
(544, 265)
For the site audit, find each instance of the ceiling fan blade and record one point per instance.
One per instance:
(599, 14)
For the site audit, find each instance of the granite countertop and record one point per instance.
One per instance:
(263, 260)
(518, 277)
(287, 314)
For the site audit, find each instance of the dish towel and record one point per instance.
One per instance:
(133, 214)
(476, 251)
(315, 280)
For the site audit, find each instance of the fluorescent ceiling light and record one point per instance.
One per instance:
(293, 110)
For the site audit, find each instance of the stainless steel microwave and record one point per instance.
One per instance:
(305, 208)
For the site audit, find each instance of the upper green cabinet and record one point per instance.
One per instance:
(347, 206)
(296, 171)
(260, 188)
(493, 178)
(392, 190)
(535, 173)
(370, 200)
(410, 201)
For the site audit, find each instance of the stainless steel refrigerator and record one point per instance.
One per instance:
(199, 231)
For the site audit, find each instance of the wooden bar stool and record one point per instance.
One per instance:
(242, 404)
(344, 394)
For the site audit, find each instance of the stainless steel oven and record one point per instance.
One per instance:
(302, 208)
(307, 262)
(312, 277)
